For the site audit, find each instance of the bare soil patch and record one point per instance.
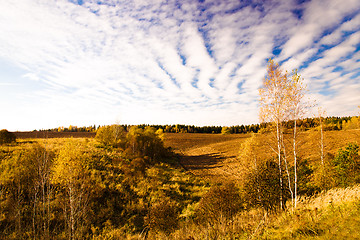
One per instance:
(211, 156)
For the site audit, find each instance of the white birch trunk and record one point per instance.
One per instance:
(295, 164)
(279, 162)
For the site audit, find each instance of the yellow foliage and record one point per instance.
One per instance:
(69, 165)
(353, 123)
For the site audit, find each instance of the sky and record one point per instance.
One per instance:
(66, 62)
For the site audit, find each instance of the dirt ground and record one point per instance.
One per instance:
(211, 156)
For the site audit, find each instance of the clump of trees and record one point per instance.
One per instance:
(282, 100)
(110, 135)
(7, 137)
(281, 176)
(137, 142)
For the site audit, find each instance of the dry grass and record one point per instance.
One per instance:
(334, 214)
(332, 197)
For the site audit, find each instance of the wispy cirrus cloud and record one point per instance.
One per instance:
(174, 62)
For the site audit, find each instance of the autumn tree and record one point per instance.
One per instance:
(353, 123)
(110, 135)
(25, 191)
(282, 101)
(15, 180)
(274, 108)
(41, 161)
(321, 115)
(145, 142)
(298, 107)
(70, 175)
(225, 130)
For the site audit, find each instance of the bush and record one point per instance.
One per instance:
(7, 137)
(347, 165)
(163, 216)
(221, 201)
(262, 186)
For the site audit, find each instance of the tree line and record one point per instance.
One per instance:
(303, 124)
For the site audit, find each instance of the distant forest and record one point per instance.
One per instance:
(330, 123)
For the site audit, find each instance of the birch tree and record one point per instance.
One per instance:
(70, 173)
(274, 108)
(321, 114)
(298, 108)
(281, 100)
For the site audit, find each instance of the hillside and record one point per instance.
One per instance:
(334, 214)
(131, 186)
(215, 156)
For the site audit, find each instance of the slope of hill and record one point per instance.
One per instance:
(215, 156)
(330, 215)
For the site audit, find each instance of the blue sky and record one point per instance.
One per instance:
(167, 62)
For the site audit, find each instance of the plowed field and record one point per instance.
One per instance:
(211, 156)
(216, 157)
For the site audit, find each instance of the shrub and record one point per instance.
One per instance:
(7, 137)
(347, 165)
(262, 186)
(220, 201)
(163, 216)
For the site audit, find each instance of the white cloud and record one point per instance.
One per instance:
(318, 17)
(157, 62)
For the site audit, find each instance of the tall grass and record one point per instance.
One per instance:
(334, 214)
